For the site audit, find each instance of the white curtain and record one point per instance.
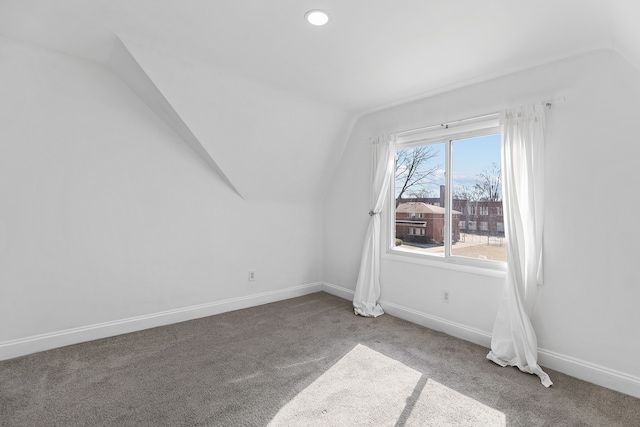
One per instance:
(365, 300)
(514, 341)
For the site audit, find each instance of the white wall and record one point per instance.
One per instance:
(107, 216)
(273, 145)
(109, 222)
(586, 316)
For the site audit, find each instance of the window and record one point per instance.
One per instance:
(416, 231)
(442, 165)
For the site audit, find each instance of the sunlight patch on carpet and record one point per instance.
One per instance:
(368, 388)
(439, 405)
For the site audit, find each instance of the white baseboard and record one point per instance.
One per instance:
(454, 329)
(590, 372)
(457, 330)
(577, 368)
(33, 344)
(338, 291)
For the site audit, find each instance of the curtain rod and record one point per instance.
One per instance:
(547, 104)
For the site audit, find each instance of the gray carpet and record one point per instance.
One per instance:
(300, 362)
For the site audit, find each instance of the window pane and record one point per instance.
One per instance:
(419, 194)
(477, 222)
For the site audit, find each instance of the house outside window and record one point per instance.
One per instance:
(419, 222)
(458, 169)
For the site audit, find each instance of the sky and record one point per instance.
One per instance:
(473, 156)
(470, 157)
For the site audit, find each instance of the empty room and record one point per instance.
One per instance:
(331, 213)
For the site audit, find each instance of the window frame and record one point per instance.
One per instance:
(447, 133)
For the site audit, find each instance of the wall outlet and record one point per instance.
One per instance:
(445, 295)
(252, 275)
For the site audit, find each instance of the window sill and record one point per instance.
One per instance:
(466, 265)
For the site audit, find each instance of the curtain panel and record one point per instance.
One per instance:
(514, 342)
(365, 300)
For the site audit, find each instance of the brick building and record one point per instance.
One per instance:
(474, 217)
(420, 222)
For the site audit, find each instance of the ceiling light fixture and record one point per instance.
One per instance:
(317, 17)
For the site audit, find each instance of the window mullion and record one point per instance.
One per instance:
(447, 199)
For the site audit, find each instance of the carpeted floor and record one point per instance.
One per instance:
(300, 362)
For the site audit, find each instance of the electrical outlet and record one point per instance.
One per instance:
(252, 275)
(445, 295)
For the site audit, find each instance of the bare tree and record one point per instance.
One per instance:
(413, 170)
(488, 186)
(465, 193)
(420, 192)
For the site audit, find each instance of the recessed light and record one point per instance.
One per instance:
(317, 17)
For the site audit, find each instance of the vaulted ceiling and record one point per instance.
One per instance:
(258, 92)
(372, 52)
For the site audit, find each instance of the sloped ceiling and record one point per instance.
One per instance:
(130, 71)
(373, 53)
